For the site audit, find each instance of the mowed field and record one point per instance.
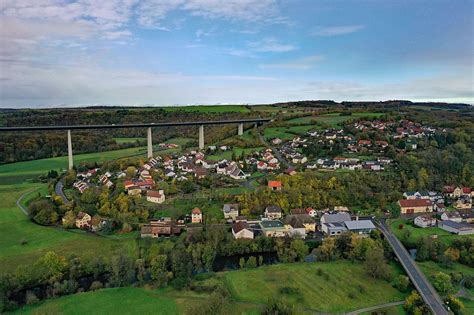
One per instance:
(209, 108)
(21, 240)
(343, 287)
(332, 119)
(298, 285)
(21, 171)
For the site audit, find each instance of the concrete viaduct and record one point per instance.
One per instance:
(240, 130)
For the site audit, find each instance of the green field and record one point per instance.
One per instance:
(417, 232)
(278, 132)
(331, 119)
(309, 290)
(297, 284)
(31, 169)
(209, 108)
(128, 140)
(431, 268)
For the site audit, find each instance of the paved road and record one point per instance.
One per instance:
(275, 151)
(376, 307)
(18, 201)
(58, 189)
(426, 290)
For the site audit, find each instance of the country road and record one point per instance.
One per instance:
(424, 287)
(276, 152)
(58, 189)
(18, 201)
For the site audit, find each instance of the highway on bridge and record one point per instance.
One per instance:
(426, 290)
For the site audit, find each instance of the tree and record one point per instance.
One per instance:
(277, 307)
(122, 271)
(242, 262)
(401, 283)
(375, 264)
(51, 266)
(158, 270)
(442, 283)
(455, 305)
(327, 250)
(69, 220)
(251, 262)
(414, 304)
(300, 248)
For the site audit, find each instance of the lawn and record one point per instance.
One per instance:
(301, 285)
(333, 119)
(131, 300)
(128, 140)
(30, 169)
(431, 268)
(417, 232)
(209, 108)
(15, 228)
(278, 132)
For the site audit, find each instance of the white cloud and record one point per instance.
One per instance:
(298, 64)
(336, 30)
(270, 44)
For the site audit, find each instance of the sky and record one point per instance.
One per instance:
(156, 52)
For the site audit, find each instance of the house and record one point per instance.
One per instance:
(261, 166)
(290, 171)
(456, 228)
(231, 211)
(273, 228)
(83, 220)
(341, 209)
(425, 221)
(333, 224)
(241, 230)
(200, 172)
(235, 172)
(277, 141)
(467, 215)
(157, 228)
(155, 196)
(273, 212)
(360, 226)
(311, 212)
(304, 220)
(451, 216)
(134, 190)
(274, 185)
(196, 215)
(410, 206)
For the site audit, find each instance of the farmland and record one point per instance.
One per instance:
(208, 108)
(333, 119)
(330, 292)
(249, 290)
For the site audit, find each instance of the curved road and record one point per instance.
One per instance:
(426, 290)
(58, 189)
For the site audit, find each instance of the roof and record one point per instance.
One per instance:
(153, 194)
(457, 226)
(359, 225)
(452, 214)
(271, 224)
(273, 209)
(298, 211)
(415, 203)
(228, 207)
(336, 217)
(196, 211)
(298, 220)
(274, 183)
(239, 226)
(81, 215)
(466, 213)
(466, 190)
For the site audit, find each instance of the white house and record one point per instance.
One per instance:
(155, 196)
(425, 221)
(241, 230)
(453, 216)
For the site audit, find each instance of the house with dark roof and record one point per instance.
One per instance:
(274, 228)
(230, 210)
(242, 230)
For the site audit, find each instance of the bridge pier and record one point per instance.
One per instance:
(69, 150)
(201, 137)
(240, 130)
(150, 144)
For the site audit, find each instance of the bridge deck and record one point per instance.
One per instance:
(146, 125)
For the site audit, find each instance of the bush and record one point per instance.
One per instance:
(96, 285)
(401, 283)
(319, 272)
(469, 282)
(351, 295)
(31, 298)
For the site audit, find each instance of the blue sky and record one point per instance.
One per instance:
(130, 52)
